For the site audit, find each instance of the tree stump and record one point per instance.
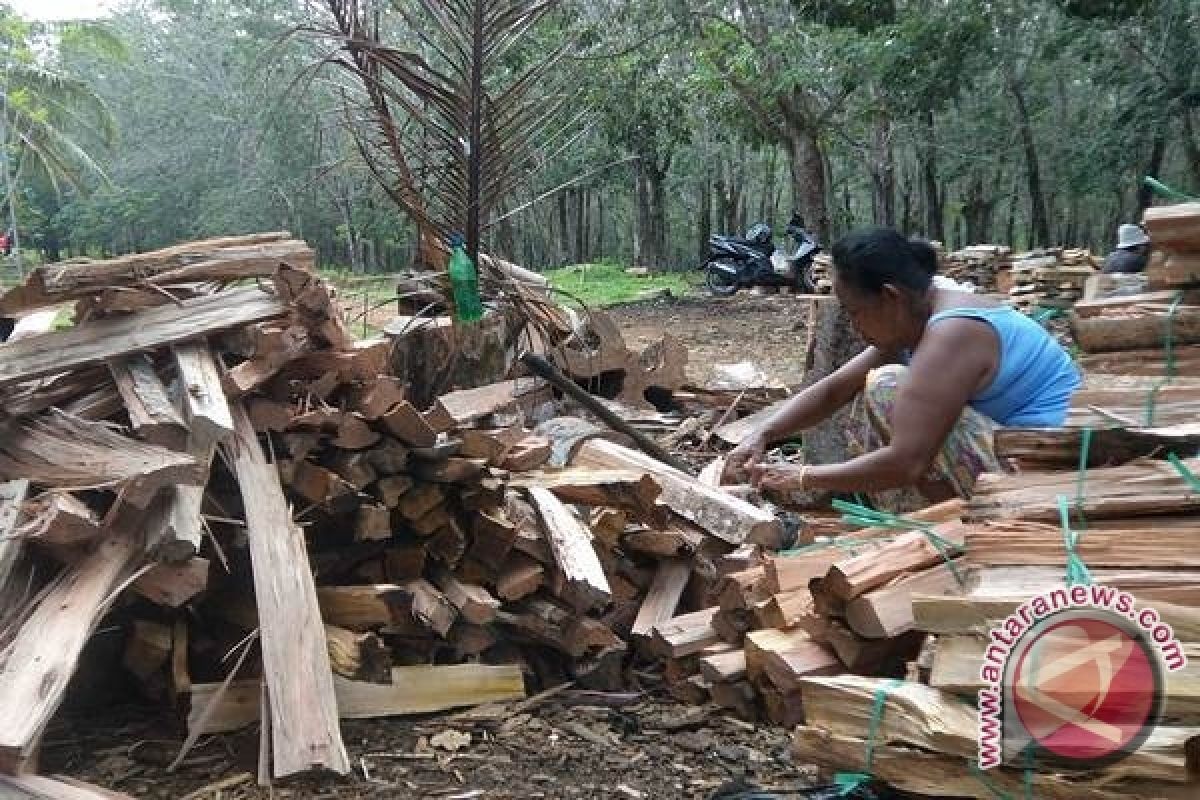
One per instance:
(832, 341)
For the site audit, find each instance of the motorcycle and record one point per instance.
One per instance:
(741, 262)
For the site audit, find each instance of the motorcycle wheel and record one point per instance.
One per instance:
(805, 282)
(719, 283)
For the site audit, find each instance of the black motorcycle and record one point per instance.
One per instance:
(738, 263)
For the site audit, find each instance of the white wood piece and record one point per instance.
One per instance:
(203, 398)
(571, 545)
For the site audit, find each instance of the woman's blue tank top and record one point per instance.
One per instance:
(1035, 378)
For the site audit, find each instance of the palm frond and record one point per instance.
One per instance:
(480, 122)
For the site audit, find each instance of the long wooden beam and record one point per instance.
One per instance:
(106, 339)
(304, 726)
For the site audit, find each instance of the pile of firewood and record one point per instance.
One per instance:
(977, 265)
(250, 496)
(1052, 278)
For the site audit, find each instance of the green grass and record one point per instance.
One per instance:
(608, 284)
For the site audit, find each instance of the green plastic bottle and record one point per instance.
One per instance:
(465, 283)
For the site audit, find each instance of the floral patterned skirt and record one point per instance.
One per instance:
(968, 450)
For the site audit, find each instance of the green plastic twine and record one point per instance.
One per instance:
(980, 776)
(997, 792)
(1169, 350)
(1085, 447)
(854, 514)
(1077, 571)
(850, 781)
(1183, 470)
(1166, 191)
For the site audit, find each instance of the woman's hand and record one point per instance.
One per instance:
(737, 464)
(777, 477)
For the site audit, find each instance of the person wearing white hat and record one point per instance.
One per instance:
(1132, 253)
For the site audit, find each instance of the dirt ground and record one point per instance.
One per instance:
(568, 747)
(766, 330)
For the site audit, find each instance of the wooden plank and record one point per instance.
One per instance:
(174, 584)
(469, 406)
(151, 414)
(12, 499)
(571, 546)
(721, 514)
(57, 450)
(304, 727)
(662, 598)
(45, 650)
(631, 489)
(56, 787)
(204, 402)
(413, 690)
(103, 340)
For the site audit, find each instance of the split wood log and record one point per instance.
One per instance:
(937, 721)
(957, 661)
(1173, 227)
(151, 414)
(721, 514)
(795, 654)
(304, 727)
(662, 599)
(520, 577)
(408, 425)
(358, 656)
(475, 603)
(1141, 362)
(1060, 448)
(905, 554)
(215, 259)
(936, 775)
(571, 545)
(685, 634)
(886, 612)
(1142, 326)
(45, 650)
(147, 648)
(1136, 402)
(172, 585)
(469, 407)
(1031, 544)
(59, 451)
(103, 340)
(361, 608)
(1142, 488)
(55, 518)
(626, 488)
(723, 667)
(185, 527)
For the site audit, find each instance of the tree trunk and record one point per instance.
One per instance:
(1190, 148)
(600, 222)
(580, 231)
(643, 232)
(1039, 225)
(564, 231)
(883, 173)
(934, 218)
(766, 211)
(977, 211)
(808, 178)
(1158, 150)
(657, 180)
(704, 229)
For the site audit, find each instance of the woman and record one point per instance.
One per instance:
(942, 368)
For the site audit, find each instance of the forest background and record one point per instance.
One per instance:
(1022, 122)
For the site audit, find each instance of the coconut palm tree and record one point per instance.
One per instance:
(49, 120)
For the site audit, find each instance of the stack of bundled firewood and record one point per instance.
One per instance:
(1154, 333)
(978, 265)
(280, 531)
(1052, 278)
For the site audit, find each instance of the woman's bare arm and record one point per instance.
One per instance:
(955, 356)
